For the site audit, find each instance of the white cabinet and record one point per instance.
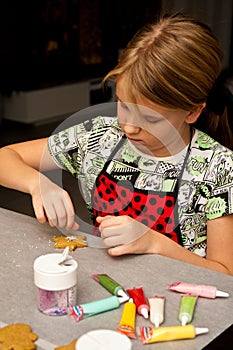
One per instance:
(41, 105)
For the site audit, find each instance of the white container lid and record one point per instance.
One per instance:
(103, 339)
(50, 275)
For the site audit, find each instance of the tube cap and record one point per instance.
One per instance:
(199, 330)
(219, 293)
(157, 321)
(144, 312)
(123, 294)
(184, 320)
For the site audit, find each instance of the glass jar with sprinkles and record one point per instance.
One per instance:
(56, 283)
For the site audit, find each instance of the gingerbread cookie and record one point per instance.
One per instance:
(70, 346)
(73, 242)
(17, 336)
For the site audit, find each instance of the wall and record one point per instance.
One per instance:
(218, 14)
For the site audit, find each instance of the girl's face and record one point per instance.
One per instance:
(150, 127)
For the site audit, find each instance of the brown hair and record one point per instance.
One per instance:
(175, 63)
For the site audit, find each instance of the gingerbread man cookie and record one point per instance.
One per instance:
(17, 336)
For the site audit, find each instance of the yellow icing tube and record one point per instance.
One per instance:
(154, 335)
(128, 319)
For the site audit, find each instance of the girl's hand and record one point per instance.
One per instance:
(125, 235)
(53, 204)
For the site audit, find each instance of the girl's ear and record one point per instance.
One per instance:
(194, 115)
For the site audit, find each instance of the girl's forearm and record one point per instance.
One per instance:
(166, 247)
(15, 173)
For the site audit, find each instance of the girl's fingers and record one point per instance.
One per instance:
(109, 220)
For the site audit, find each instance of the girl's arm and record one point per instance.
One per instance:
(21, 167)
(220, 243)
(21, 163)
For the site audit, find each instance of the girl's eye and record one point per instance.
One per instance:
(151, 120)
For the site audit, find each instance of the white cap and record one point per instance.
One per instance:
(184, 320)
(219, 293)
(50, 275)
(157, 320)
(103, 339)
(123, 294)
(144, 312)
(199, 330)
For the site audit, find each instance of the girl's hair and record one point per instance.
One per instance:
(176, 62)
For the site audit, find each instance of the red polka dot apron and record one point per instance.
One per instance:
(155, 209)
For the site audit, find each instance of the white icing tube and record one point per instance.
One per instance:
(157, 304)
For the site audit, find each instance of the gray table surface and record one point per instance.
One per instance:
(23, 239)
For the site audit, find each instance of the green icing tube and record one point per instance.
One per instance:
(108, 283)
(187, 307)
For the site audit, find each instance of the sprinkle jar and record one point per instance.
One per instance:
(56, 284)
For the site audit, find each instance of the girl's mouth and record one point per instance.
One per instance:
(134, 140)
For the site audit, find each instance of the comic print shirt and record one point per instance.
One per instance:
(205, 191)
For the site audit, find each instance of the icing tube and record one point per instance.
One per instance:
(108, 283)
(93, 308)
(187, 307)
(196, 289)
(154, 335)
(156, 304)
(128, 319)
(142, 307)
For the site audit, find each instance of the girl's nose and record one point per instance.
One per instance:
(130, 128)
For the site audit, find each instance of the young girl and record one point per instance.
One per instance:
(153, 182)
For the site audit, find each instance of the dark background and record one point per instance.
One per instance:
(50, 42)
(46, 43)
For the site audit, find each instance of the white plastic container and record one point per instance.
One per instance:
(103, 339)
(56, 284)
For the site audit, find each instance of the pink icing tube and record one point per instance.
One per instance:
(204, 291)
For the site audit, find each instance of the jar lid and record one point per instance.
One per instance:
(50, 275)
(103, 339)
